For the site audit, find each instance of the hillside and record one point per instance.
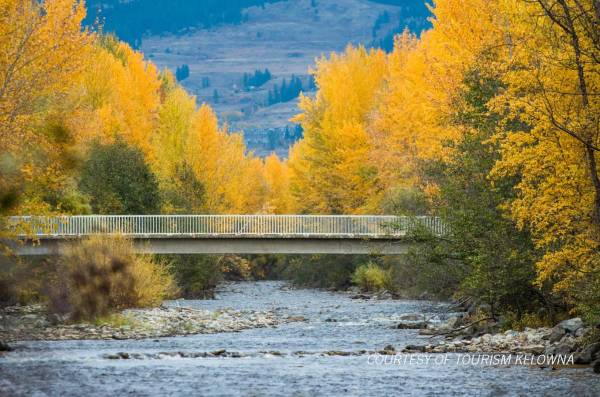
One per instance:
(214, 48)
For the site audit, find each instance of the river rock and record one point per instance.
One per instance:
(384, 295)
(294, 319)
(390, 348)
(533, 349)
(273, 353)
(411, 325)
(597, 366)
(450, 323)
(571, 325)
(4, 347)
(557, 334)
(414, 349)
(337, 353)
(411, 317)
(586, 355)
(565, 346)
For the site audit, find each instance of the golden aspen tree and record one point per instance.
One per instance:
(233, 180)
(554, 87)
(42, 47)
(120, 96)
(278, 196)
(42, 52)
(424, 76)
(175, 117)
(328, 168)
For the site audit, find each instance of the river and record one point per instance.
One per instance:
(335, 323)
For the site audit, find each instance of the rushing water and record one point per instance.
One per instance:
(335, 322)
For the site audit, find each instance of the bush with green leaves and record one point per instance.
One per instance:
(372, 278)
(118, 180)
(197, 275)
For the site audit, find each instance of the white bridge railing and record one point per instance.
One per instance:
(156, 226)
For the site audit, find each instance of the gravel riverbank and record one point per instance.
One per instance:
(19, 323)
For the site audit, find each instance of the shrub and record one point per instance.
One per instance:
(22, 279)
(236, 268)
(372, 278)
(318, 271)
(197, 276)
(519, 322)
(100, 275)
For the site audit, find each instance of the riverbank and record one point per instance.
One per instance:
(568, 338)
(33, 322)
(460, 334)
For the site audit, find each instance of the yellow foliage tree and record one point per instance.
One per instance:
(328, 168)
(554, 87)
(42, 48)
(232, 180)
(278, 196)
(123, 95)
(120, 95)
(42, 55)
(424, 77)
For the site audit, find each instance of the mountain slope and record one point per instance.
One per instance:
(216, 58)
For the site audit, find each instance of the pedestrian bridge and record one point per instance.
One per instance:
(227, 234)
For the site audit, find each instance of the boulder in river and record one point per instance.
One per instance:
(295, 319)
(337, 353)
(4, 347)
(450, 323)
(411, 325)
(557, 334)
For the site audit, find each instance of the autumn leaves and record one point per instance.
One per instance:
(64, 88)
(378, 121)
(377, 124)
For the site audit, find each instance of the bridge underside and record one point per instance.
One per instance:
(240, 245)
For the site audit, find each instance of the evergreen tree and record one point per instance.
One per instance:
(258, 79)
(182, 72)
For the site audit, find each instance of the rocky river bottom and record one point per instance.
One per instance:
(325, 343)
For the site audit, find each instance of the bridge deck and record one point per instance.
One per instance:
(223, 234)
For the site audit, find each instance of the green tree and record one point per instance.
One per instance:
(119, 181)
(484, 256)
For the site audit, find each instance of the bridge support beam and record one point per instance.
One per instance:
(242, 245)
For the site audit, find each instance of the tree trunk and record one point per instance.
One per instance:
(591, 159)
